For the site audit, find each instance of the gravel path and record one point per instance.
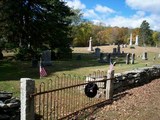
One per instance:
(140, 103)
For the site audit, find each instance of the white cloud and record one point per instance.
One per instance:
(145, 5)
(139, 14)
(76, 4)
(103, 9)
(100, 14)
(90, 13)
(99, 11)
(131, 22)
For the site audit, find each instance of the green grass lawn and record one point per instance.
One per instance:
(12, 71)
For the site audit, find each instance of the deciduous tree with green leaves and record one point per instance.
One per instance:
(156, 38)
(82, 35)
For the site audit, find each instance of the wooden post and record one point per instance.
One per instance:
(109, 84)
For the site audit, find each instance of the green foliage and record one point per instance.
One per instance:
(36, 23)
(27, 54)
(82, 34)
(145, 34)
(156, 38)
(132, 47)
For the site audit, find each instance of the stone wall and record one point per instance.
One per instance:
(135, 77)
(129, 79)
(9, 106)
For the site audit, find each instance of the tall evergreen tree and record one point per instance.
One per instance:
(145, 34)
(32, 24)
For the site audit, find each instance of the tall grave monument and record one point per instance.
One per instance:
(90, 48)
(130, 40)
(136, 43)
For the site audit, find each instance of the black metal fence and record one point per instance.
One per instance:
(63, 97)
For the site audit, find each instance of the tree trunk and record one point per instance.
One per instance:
(1, 55)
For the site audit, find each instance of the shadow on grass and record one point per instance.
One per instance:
(14, 70)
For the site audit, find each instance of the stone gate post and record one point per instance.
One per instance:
(27, 87)
(109, 84)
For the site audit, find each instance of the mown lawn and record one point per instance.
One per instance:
(12, 71)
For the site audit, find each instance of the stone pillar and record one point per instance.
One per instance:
(136, 43)
(144, 56)
(109, 84)
(132, 58)
(130, 42)
(127, 58)
(90, 48)
(27, 103)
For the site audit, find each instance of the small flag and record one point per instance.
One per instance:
(42, 71)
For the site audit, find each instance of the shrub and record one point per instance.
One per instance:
(132, 47)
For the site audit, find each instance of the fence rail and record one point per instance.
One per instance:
(63, 96)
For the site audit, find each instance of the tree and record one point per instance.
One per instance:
(145, 34)
(82, 35)
(96, 34)
(35, 24)
(156, 37)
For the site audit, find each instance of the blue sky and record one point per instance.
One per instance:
(122, 13)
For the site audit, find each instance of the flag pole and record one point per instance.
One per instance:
(40, 67)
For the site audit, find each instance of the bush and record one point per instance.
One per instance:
(132, 47)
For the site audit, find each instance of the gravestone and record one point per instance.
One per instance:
(132, 58)
(127, 58)
(101, 60)
(90, 48)
(130, 41)
(46, 58)
(136, 43)
(118, 49)
(144, 56)
(114, 50)
(97, 52)
(107, 57)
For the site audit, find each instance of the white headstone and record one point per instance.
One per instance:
(136, 43)
(90, 48)
(130, 40)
